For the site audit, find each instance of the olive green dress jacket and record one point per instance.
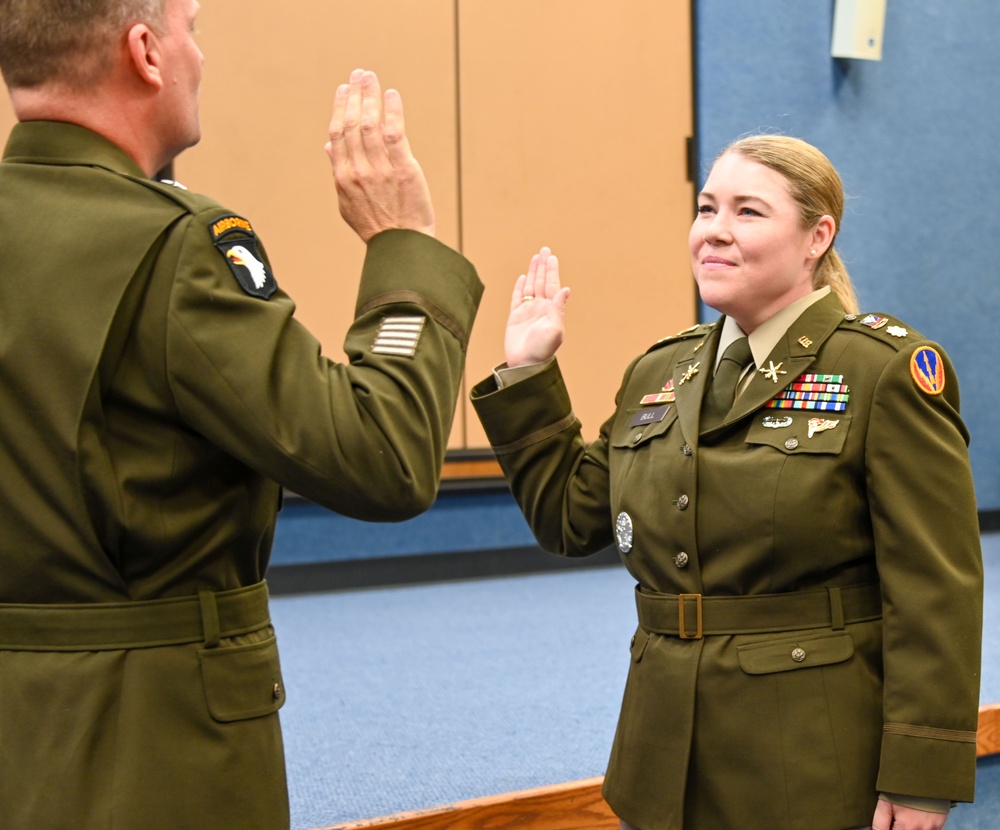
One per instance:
(155, 391)
(809, 580)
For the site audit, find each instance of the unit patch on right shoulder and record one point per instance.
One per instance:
(927, 370)
(235, 239)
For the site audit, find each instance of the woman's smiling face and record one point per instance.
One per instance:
(750, 255)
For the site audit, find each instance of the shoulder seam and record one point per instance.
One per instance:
(192, 203)
(884, 333)
(697, 330)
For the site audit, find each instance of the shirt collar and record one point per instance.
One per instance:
(766, 336)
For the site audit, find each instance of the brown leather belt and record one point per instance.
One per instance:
(693, 616)
(205, 617)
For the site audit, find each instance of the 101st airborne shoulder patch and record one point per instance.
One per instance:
(234, 238)
(927, 371)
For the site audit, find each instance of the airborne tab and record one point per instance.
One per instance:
(235, 239)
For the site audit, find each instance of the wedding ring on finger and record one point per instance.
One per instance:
(527, 298)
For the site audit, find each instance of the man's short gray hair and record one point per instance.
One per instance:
(66, 41)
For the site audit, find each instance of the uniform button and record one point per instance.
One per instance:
(276, 691)
(681, 560)
(637, 438)
(683, 502)
(632, 642)
(686, 449)
(791, 443)
(798, 654)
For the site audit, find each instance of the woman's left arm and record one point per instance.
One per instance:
(927, 543)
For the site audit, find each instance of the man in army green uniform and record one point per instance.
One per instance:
(156, 391)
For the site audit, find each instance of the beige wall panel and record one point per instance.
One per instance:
(574, 115)
(270, 74)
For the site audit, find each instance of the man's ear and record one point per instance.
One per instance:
(144, 54)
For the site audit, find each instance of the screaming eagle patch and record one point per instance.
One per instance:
(234, 238)
(927, 370)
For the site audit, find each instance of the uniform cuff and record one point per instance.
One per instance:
(928, 805)
(509, 375)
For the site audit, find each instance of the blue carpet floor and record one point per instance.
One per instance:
(405, 698)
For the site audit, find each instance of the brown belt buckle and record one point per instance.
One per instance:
(681, 629)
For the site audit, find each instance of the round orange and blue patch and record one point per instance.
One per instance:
(927, 370)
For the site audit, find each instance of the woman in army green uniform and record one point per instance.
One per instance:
(790, 488)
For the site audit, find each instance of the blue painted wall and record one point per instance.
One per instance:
(915, 139)
(458, 522)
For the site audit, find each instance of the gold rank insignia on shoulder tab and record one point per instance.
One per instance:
(234, 238)
(881, 327)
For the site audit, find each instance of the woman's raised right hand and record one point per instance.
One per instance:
(535, 327)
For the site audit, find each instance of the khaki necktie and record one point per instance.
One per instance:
(722, 392)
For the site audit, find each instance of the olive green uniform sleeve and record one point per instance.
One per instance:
(366, 438)
(927, 547)
(559, 481)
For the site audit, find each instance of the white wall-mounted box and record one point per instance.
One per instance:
(857, 29)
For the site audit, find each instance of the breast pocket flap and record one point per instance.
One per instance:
(632, 432)
(796, 432)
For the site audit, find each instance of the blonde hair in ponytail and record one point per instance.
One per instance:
(815, 186)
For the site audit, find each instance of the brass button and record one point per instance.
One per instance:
(686, 449)
(637, 438)
(681, 560)
(632, 642)
(276, 691)
(791, 443)
(798, 654)
(683, 502)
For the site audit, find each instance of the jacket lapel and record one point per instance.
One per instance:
(692, 375)
(791, 357)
